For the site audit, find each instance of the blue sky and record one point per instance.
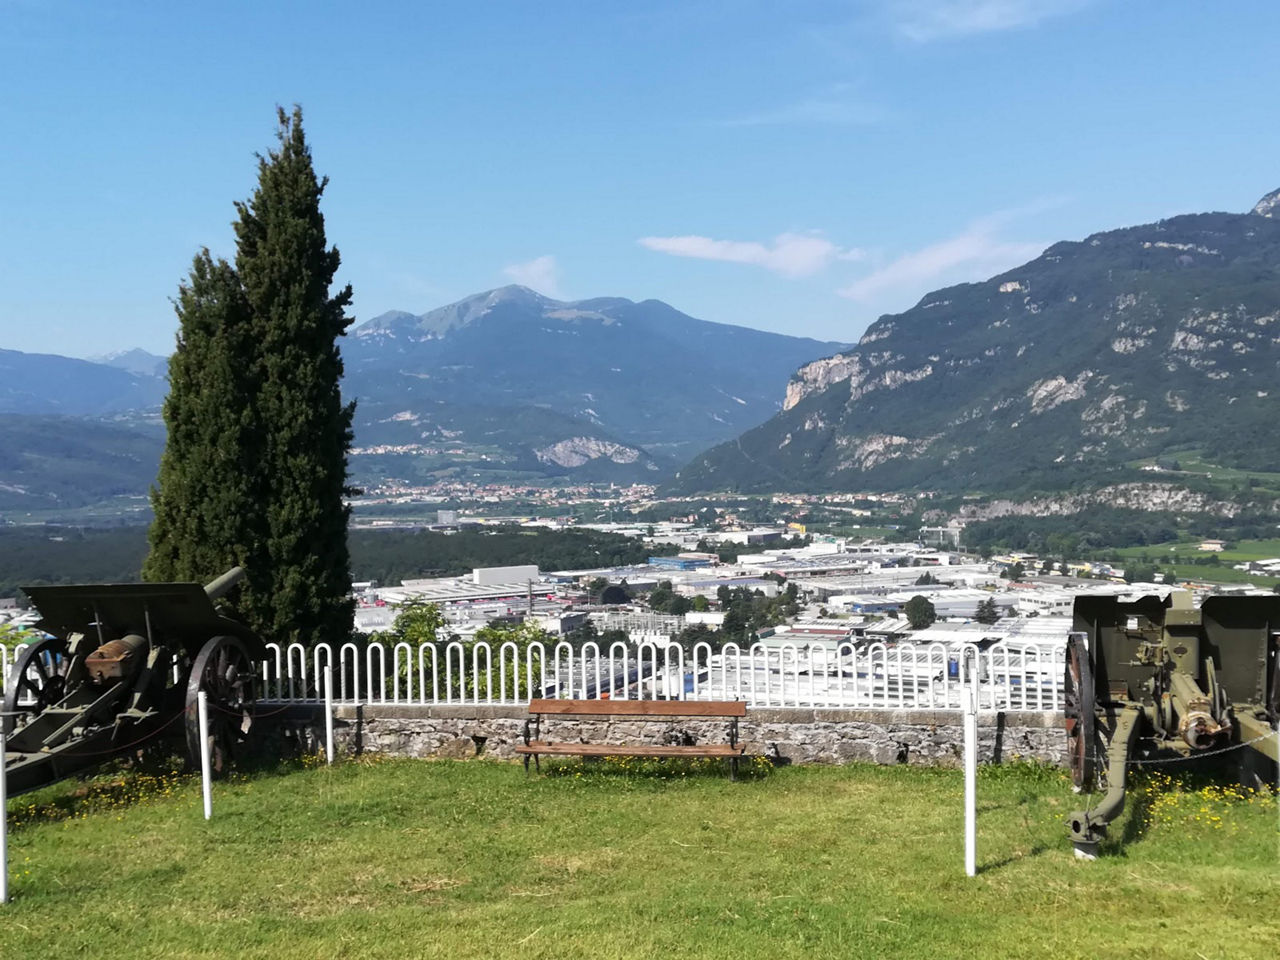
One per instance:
(800, 167)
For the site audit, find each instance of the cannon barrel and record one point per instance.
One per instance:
(221, 586)
(117, 659)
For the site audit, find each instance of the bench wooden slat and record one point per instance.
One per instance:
(639, 708)
(630, 750)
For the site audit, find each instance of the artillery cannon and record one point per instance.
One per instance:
(1158, 681)
(122, 663)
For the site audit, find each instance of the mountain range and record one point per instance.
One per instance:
(506, 384)
(45, 383)
(604, 389)
(135, 361)
(1142, 342)
(1099, 356)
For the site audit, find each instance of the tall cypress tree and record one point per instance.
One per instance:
(281, 387)
(286, 268)
(208, 472)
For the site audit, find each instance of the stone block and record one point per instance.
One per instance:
(799, 735)
(457, 748)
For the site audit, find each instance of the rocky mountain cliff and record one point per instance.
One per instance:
(1129, 344)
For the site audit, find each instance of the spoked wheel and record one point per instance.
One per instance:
(38, 681)
(1082, 720)
(227, 674)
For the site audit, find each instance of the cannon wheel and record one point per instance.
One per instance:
(40, 674)
(227, 674)
(1078, 694)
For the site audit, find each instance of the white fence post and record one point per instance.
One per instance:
(4, 829)
(971, 776)
(903, 676)
(328, 714)
(206, 773)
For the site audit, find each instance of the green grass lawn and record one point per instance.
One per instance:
(1194, 465)
(474, 859)
(1241, 550)
(1191, 464)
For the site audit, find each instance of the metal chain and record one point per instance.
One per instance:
(1195, 756)
(256, 715)
(1205, 753)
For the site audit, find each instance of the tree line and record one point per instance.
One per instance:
(390, 556)
(1098, 528)
(36, 555)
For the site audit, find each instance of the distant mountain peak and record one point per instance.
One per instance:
(514, 292)
(513, 298)
(1269, 206)
(137, 361)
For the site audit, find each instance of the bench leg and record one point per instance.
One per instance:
(537, 765)
(526, 764)
(733, 769)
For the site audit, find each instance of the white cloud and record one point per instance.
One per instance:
(974, 254)
(925, 20)
(790, 255)
(541, 274)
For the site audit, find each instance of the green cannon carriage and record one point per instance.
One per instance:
(121, 669)
(1156, 681)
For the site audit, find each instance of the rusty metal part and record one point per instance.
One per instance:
(1079, 709)
(1198, 728)
(116, 659)
(1198, 725)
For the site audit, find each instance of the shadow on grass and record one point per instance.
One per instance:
(112, 787)
(1137, 811)
(1035, 851)
(118, 784)
(656, 768)
(1043, 834)
(1029, 786)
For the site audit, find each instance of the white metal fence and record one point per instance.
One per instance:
(902, 676)
(898, 676)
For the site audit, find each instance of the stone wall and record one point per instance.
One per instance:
(796, 735)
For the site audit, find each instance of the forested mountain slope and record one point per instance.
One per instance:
(604, 388)
(1132, 343)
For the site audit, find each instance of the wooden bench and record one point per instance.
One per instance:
(534, 747)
